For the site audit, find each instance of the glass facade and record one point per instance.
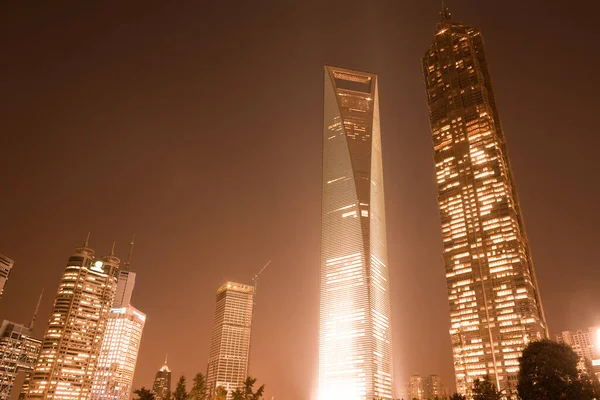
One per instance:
(495, 306)
(118, 356)
(71, 346)
(355, 357)
(230, 342)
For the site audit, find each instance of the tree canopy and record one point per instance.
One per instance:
(549, 372)
(198, 391)
(457, 396)
(247, 391)
(180, 392)
(485, 389)
(144, 394)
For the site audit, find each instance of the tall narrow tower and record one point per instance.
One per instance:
(6, 265)
(495, 306)
(355, 351)
(71, 345)
(230, 342)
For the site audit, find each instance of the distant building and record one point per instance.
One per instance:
(493, 293)
(432, 387)
(230, 342)
(162, 383)
(415, 387)
(72, 342)
(19, 351)
(6, 265)
(586, 344)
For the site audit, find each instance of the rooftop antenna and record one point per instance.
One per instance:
(128, 262)
(255, 280)
(87, 240)
(112, 251)
(37, 308)
(445, 14)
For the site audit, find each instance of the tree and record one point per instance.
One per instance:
(247, 393)
(220, 393)
(457, 396)
(144, 394)
(549, 372)
(198, 391)
(180, 390)
(485, 389)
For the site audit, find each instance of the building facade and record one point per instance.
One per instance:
(495, 305)
(71, 345)
(161, 388)
(19, 351)
(355, 351)
(432, 387)
(230, 343)
(6, 265)
(587, 346)
(113, 378)
(415, 387)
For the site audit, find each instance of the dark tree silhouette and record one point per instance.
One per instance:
(484, 389)
(247, 391)
(549, 372)
(144, 394)
(180, 392)
(198, 391)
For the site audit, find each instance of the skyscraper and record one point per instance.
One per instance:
(6, 265)
(71, 345)
(230, 342)
(162, 382)
(495, 305)
(116, 363)
(18, 352)
(355, 351)
(113, 378)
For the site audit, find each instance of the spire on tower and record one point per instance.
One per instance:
(112, 251)
(37, 308)
(445, 13)
(87, 240)
(131, 248)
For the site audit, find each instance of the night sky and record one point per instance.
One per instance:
(198, 125)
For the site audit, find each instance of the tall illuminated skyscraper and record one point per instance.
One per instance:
(6, 265)
(71, 345)
(355, 351)
(113, 378)
(495, 305)
(230, 342)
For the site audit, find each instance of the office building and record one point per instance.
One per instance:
(587, 346)
(162, 383)
(6, 265)
(72, 342)
(118, 356)
(355, 350)
(230, 343)
(19, 350)
(495, 306)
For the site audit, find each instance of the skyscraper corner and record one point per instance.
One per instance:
(355, 353)
(495, 305)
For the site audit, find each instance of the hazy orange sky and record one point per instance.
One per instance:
(198, 125)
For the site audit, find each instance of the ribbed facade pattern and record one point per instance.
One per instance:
(118, 356)
(230, 342)
(355, 358)
(71, 345)
(495, 307)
